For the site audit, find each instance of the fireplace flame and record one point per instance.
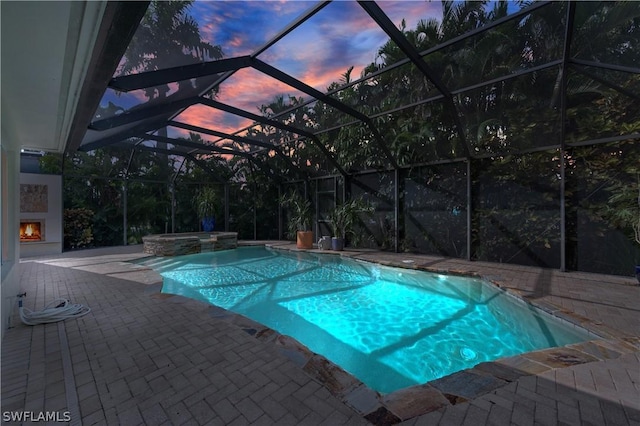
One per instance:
(31, 231)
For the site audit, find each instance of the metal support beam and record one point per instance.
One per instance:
(195, 145)
(292, 26)
(280, 221)
(517, 16)
(143, 113)
(239, 139)
(170, 75)
(397, 210)
(177, 173)
(125, 185)
(312, 11)
(340, 106)
(469, 210)
(126, 169)
(226, 207)
(204, 166)
(571, 11)
(380, 141)
(329, 156)
(401, 41)
(278, 125)
(200, 163)
(513, 75)
(127, 133)
(213, 148)
(172, 191)
(609, 139)
(601, 65)
(604, 82)
(316, 224)
(223, 135)
(563, 212)
(255, 117)
(303, 87)
(288, 29)
(255, 215)
(493, 24)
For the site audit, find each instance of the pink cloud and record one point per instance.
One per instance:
(321, 50)
(237, 41)
(248, 89)
(199, 115)
(211, 118)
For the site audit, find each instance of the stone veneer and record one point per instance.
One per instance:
(189, 243)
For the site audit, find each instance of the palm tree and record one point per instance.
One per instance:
(167, 37)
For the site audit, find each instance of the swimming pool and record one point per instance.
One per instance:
(389, 327)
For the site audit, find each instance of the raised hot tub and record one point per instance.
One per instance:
(189, 243)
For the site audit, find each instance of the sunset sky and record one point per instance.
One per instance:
(318, 53)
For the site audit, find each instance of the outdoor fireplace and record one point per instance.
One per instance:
(31, 230)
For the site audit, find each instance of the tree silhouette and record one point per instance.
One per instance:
(167, 37)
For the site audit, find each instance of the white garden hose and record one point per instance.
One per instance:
(57, 310)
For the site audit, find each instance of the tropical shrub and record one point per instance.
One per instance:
(77, 228)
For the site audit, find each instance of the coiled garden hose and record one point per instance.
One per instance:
(57, 310)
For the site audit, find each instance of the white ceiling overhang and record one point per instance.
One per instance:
(50, 53)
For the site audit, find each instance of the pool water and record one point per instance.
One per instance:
(389, 327)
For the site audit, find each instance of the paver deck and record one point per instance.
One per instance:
(142, 357)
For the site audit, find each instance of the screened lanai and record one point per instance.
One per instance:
(497, 131)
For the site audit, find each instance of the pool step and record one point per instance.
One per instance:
(160, 263)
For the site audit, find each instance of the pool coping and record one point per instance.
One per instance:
(462, 386)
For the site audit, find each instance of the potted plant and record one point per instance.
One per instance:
(342, 219)
(300, 216)
(206, 203)
(623, 210)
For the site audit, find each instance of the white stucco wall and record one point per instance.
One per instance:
(52, 243)
(9, 242)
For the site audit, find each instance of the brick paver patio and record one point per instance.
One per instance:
(142, 357)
